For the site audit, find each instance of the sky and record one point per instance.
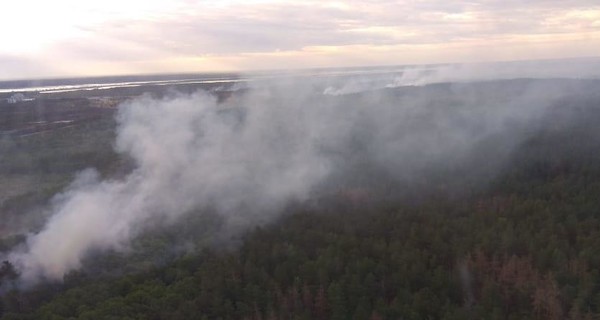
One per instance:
(64, 38)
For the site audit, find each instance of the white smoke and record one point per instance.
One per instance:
(189, 152)
(423, 75)
(250, 156)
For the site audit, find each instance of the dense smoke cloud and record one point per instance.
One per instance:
(248, 157)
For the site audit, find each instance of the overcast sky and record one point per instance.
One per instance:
(105, 37)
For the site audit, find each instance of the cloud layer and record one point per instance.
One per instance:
(135, 36)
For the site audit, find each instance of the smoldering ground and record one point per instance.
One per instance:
(248, 157)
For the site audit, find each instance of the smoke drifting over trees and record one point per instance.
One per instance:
(250, 156)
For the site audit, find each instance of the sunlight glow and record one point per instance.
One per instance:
(70, 37)
(30, 25)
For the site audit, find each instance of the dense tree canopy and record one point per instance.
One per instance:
(524, 246)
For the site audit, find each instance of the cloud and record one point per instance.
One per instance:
(158, 36)
(285, 26)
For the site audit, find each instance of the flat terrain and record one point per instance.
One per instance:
(469, 238)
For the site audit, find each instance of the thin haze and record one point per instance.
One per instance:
(106, 37)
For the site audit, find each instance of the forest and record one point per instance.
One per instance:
(523, 244)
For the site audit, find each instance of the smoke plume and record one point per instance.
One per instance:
(247, 157)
